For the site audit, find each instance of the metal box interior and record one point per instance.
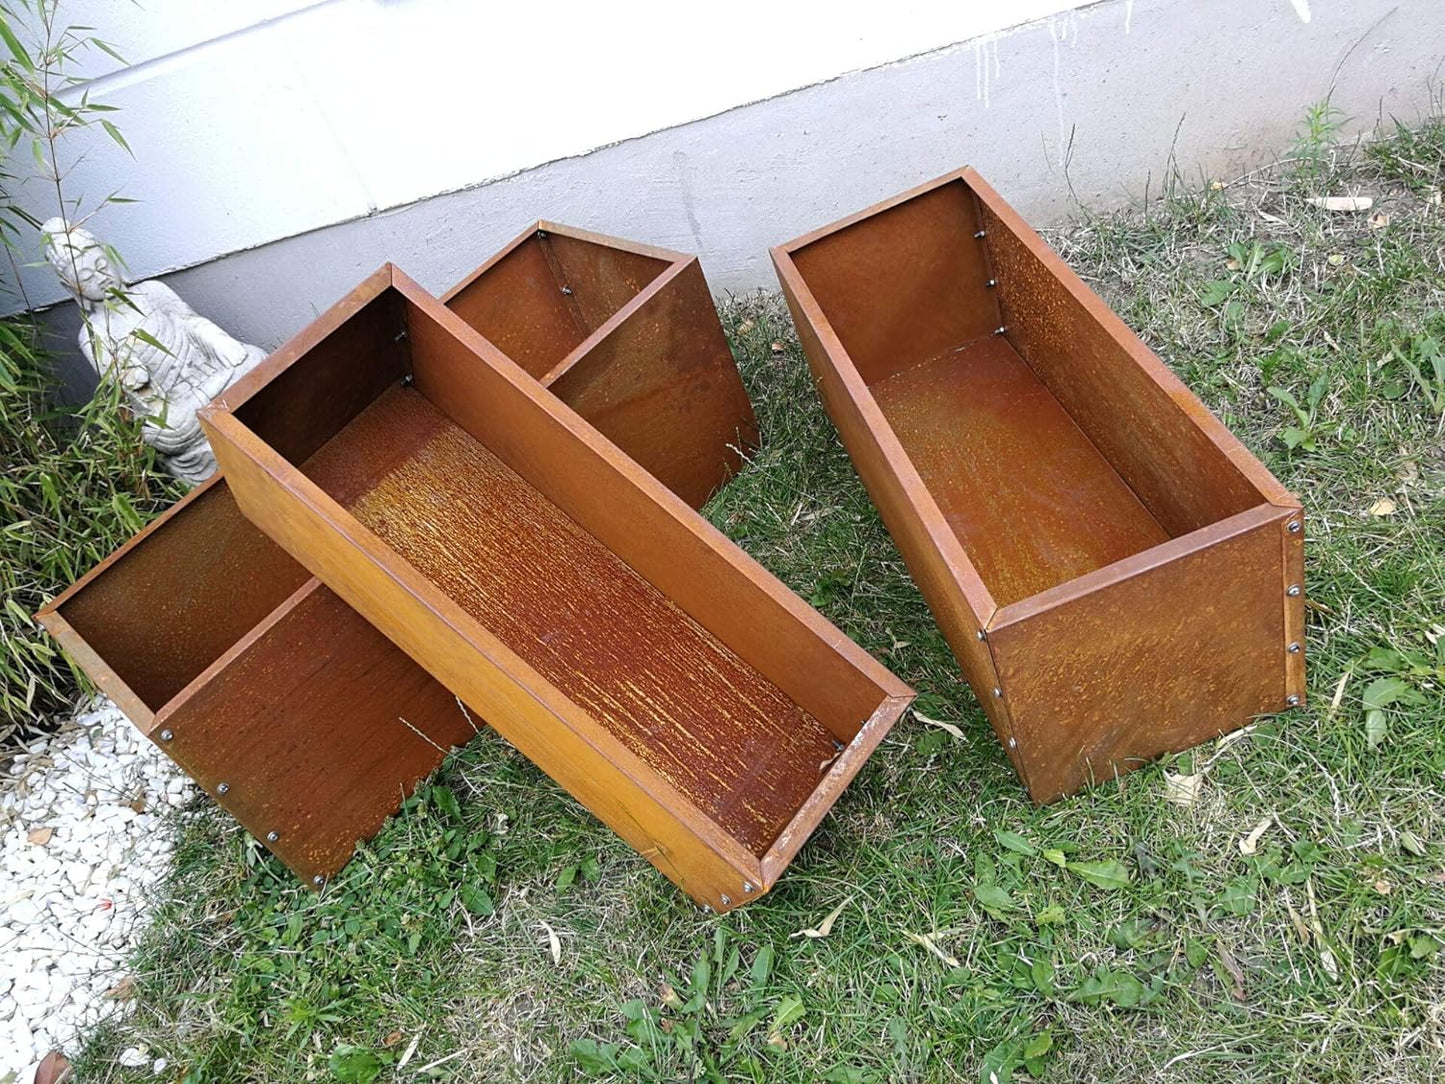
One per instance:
(672, 685)
(1038, 466)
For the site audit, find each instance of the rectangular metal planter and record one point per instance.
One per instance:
(269, 691)
(1117, 575)
(626, 335)
(667, 681)
(263, 685)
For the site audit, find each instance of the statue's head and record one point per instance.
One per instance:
(80, 260)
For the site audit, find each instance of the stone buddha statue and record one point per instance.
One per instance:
(170, 361)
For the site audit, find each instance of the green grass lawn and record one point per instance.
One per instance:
(962, 947)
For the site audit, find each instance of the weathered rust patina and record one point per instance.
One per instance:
(1117, 575)
(303, 721)
(674, 687)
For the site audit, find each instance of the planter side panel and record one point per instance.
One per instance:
(1155, 662)
(175, 598)
(318, 726)
(664, 388)
(1154, 431)
(544, 726)
(881, 464)
(518, 304)
(905, 284)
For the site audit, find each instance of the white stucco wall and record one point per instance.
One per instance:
(255, 120)
(1092, 105)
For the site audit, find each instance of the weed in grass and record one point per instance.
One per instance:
(1278, 919)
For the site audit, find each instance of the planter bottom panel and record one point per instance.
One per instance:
(716, 729)
(1029, 496)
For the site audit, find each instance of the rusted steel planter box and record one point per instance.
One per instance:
(626, 335)
(264, 686)
(1116, 574)
(667, 681)
(201, 623)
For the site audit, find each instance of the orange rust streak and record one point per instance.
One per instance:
(714, 727)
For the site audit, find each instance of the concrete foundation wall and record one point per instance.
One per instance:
(1091, 104)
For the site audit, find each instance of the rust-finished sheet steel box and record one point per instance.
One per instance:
(1117, 575)
(667, 681)
(270, 691)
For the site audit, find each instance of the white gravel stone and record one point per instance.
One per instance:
(71, 909)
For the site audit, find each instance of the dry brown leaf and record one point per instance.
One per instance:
(1352, 204)
(554, 944)
(392, 1038)
(1383, 887)
(747, 325)
(54, 1068)
(1250, 843)
(938, 723)
(1383, 507)
(777, 346)
(122, 991)
(40, 836)
(1231, 965)
(928, 943)
(1379, 221)
(1182, 790)
(824, 928)
(1301, 930)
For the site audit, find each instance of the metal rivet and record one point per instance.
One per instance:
(837, 746)
(318, 880)
(1293, 590)
(982, 635)
(1294, 649)
(541, 233)
(1294, 526)
(997, 691)
(167, 735)
(725, 900)
(1292, 701)
(991, 283)
(1013, 743)
(400, 335)
(272, 837)
(747, 887)
(707, 907)
(567, 290)
(222, 788)
(981, 233)
(408, 380)
(1001, 330)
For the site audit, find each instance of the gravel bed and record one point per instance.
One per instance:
(84, 843)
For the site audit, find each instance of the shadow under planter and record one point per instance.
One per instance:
(1117, 575)
(667, 681)
(301, 719)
